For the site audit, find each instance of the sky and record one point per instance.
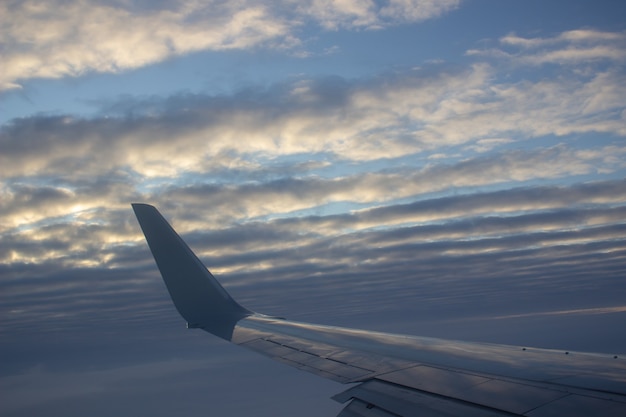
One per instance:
(451, 168)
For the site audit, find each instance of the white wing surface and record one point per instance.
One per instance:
(394, 375)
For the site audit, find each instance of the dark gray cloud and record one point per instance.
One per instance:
(84, 277)
(426, 280)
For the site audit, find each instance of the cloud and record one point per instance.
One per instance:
(70, 38)
(575, 47)
(79, 242)
(547, 240)
(25, 205)
(46, 386)
(322, 173)
(289, 195)
(446, 191)
(133, 384)
(583, 311)
(367, 14)
(580, 36)
(502, 205)
(385, 117)
(53, 39)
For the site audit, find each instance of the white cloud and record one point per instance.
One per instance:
(58, 38)
(369, 14)
(381, 118)
(568, 48)
(417, 10)
(485, 145)
(69, 38)
(580, 36)
(333, 14)
(358, 144)
(282, 197)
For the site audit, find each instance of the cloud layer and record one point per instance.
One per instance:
(76, 37)
(491, 187)
(313, 142)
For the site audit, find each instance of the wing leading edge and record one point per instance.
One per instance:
(397, 375)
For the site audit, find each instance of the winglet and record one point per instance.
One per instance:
(197, 295)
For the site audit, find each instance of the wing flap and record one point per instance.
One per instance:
(514, 397)
(358, 408)
(376, 397)
(580, 405)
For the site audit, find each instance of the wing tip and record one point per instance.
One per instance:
(140, 206)
(197, 295)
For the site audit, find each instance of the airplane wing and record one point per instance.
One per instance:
(393, 375)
